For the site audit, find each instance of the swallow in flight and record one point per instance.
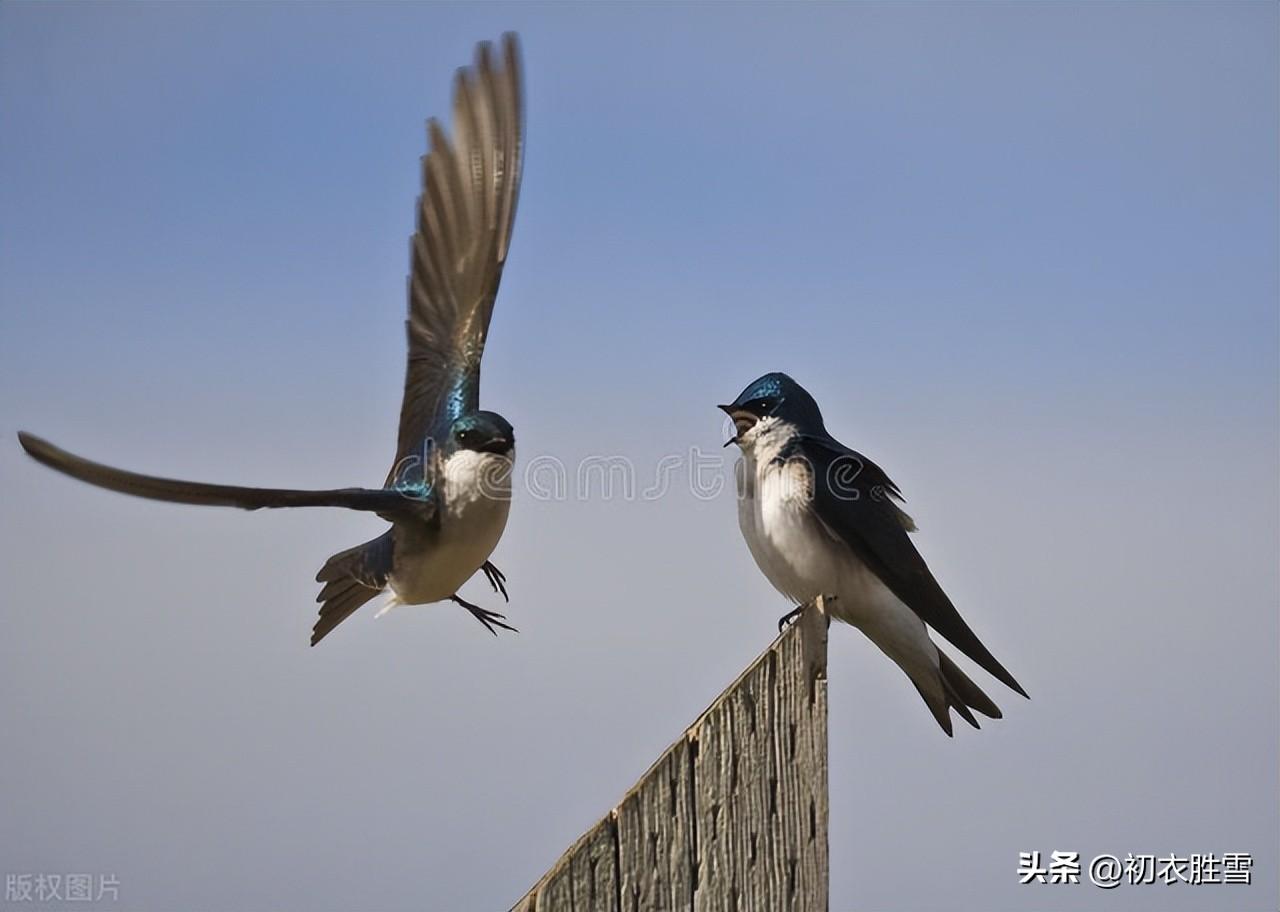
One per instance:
(448, 492)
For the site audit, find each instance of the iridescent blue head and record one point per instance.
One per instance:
(774, 395)
(484, 432)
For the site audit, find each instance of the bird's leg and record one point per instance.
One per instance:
(497, 579)
(789, 617)
(490, 619)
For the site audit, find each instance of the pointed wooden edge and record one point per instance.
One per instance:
(556, 885)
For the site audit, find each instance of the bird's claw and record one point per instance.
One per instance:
(789, 617)
(490, 619)
(497, 579)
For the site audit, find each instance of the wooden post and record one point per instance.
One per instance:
(733, 816)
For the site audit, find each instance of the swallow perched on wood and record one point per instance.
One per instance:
(822, 520)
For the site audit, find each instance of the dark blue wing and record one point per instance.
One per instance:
(854, 498)
(465, 214)
(390, 504)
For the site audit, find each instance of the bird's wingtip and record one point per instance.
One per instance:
(37, 448)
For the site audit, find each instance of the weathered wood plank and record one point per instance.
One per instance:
(761, 776)
(656, 835)
(583, 879)
(802, 768)
(595, 869)
(732, 817)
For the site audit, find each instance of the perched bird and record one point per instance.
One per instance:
(820, 520)
(448, 492)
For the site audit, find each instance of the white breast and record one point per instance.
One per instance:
(803, 559)
(475, 500)
(786, 540)
(788, 543)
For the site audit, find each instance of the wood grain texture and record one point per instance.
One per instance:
(733, 816)
(656, 836)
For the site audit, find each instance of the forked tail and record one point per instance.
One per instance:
(351, 578)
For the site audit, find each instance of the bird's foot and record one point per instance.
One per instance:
(497, 579)
(490, 619)
(789, 617)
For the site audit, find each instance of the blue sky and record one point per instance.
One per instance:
(1025, 255)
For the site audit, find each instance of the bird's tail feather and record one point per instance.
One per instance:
(964, 692)
(351, 578)
(952, 689)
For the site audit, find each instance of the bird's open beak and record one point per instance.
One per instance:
(728, 410)
(743, 420)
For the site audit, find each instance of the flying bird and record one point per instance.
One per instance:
(821, 520)
(448, 492)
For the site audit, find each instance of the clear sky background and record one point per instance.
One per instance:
(1025, 256)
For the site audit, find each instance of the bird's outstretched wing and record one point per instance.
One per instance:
(853, 498)
(465, 214)
(388, 503)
